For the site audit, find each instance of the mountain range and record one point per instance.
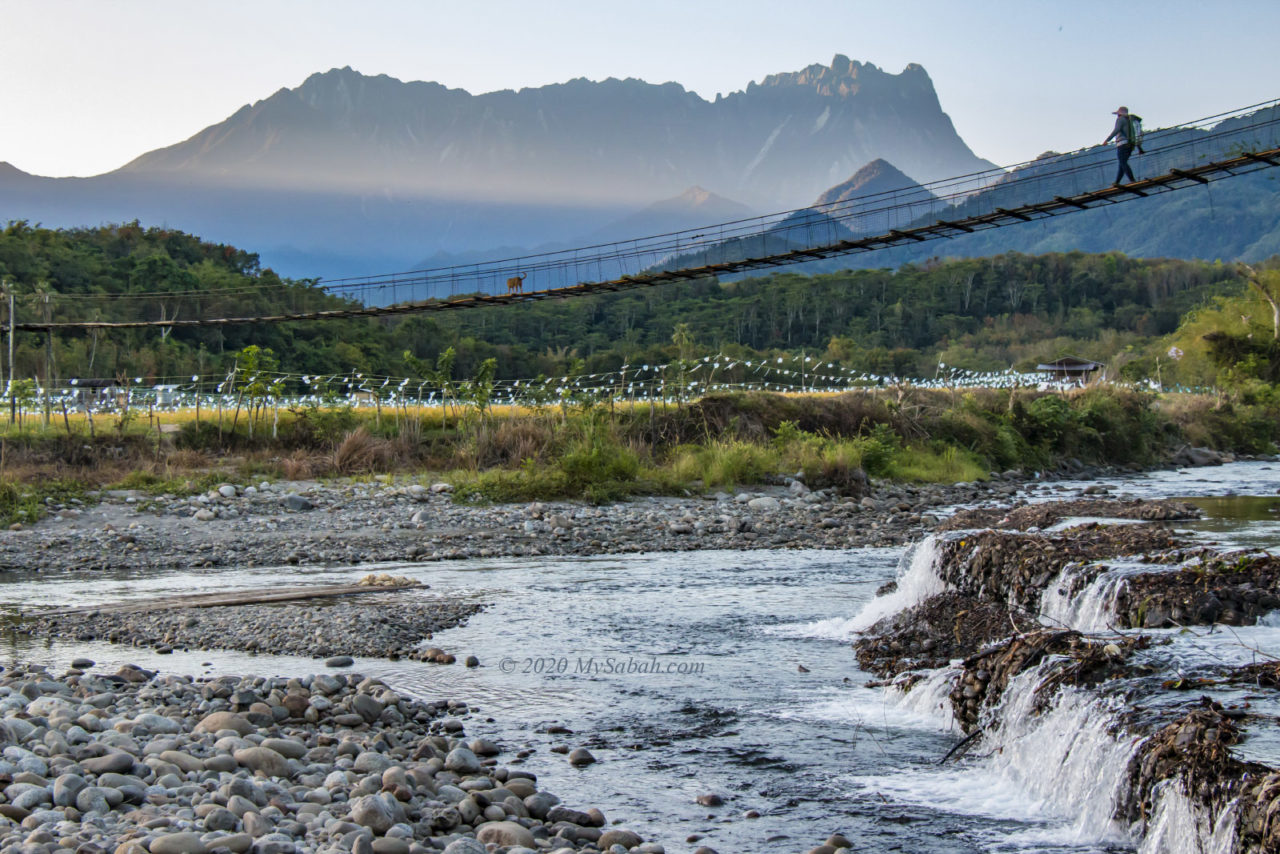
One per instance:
(357, 174)
(350, 174)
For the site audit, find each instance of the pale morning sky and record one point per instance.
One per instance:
(88, 84)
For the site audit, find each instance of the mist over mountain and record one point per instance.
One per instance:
(350, 173)
(693, 208)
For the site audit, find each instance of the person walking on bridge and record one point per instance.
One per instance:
(1125, 136)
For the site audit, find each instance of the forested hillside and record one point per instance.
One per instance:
(989, 313)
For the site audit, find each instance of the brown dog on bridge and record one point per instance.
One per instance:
(515, 284)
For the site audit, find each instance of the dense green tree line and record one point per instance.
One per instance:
(1008, 310)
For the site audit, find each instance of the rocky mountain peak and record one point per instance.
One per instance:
(844, 77)
(878, 176)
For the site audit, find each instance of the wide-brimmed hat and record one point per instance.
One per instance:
(1123, 111)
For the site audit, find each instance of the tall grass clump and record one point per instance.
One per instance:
(935, 464)
(725, 463)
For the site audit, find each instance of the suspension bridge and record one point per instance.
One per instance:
(1186, 156)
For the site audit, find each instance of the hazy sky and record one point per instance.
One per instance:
(87, 85)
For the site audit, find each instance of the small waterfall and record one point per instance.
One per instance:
(1179, 826)
(1093, 609)
(928, 698)
(918, 579)
(1065, 754)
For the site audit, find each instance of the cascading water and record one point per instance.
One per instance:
(1093, 609)
(773, 737)
(1065, 754)
(1062, 766)
(929, 697)
(1179, 826)
(917, 580)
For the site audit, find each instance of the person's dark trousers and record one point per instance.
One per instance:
(1122, 153)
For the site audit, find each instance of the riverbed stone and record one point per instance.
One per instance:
(765, 504)
(66, 787)
(581, 756)
(263, 761)
(178, 843)
(298, 503)
(465, 845)
(617, 836)
(375, 813)
(462, 761)
(221, 819)
(218, 721)
(367, 707)
(117, 762)
(286, 747)
(505, 833)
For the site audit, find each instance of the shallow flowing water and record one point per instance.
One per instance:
(682, 674)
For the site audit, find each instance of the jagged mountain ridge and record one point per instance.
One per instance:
(350, 173)
(623, 141)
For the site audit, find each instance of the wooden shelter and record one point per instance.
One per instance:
(1071, 369)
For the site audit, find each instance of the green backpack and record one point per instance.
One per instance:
(1135, 131)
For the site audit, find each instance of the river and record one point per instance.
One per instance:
(731, 673)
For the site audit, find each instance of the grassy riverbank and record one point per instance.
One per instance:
(602, 453)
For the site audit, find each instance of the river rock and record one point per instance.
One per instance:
(221, 819)
(581, 756)
(93, 800)
(218, 721)
(563, 813)
(375, 813)
(618, 836)
(367, 707)
(462, 761)
(372, 762)
(178, 843)
(117, 762)
(298, 503)
(263, 761)
(184, 761)
(465, 845)
(765, 504)
(338, 661)
(286, 747)
(31, 798)
(506, 833)
(236, 843)
(65, 789)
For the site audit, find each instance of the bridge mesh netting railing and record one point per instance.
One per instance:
(1183, 147)
(1181, 156)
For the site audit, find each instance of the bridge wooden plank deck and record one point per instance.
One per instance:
(1174, 179)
